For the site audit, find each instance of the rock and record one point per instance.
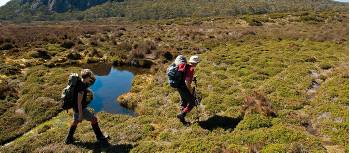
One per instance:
(37, 3)
(314, 74)
(338, 120)
(20, 111)
(324, 116)
(311, 91)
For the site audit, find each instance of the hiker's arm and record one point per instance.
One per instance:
(189, 79)
(80, 107)
(188, 85)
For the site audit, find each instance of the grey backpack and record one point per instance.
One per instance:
(176, 76)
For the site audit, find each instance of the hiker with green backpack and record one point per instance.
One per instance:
(77, 96)
(180, 76)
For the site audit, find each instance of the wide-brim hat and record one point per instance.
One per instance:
(194, 59)
(180, 60)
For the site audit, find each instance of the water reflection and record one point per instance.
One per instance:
(100, 69)
(110, 83)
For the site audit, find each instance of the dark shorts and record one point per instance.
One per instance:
(87, 115)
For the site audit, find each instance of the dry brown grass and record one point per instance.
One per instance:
(257, 103)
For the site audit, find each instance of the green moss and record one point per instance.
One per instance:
(148, 128)
(277, 15)
(275, 148)
(145, 147)
(54, 49)
(164, 136)
(255, 20)
(279, 134)
(116, 60)
(325, 66)
(237, 148)
(92, 60)
(9, 69)
(254, 121)
(312, 18)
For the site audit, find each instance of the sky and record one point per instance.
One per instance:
(3, 2)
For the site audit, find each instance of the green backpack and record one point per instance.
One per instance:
(69, 92)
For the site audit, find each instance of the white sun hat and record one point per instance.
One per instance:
(180, 59)
(194, 59)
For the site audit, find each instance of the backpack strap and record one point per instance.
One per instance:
(183, 68)
(185, 72)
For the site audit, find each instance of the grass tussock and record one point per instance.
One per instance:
(257, 103)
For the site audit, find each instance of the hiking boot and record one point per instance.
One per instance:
(181, 117)
(99, 136)
(103, 142)
(186, 123)
(69, 139)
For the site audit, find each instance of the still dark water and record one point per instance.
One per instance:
(110, 83)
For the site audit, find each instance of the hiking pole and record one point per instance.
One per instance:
(197, 102)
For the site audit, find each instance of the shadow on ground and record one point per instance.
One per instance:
(216, 121)
(95, 147)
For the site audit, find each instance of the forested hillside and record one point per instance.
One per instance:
(21, 10)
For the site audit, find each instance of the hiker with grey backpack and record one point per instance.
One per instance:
(180, 76)
(77, 96)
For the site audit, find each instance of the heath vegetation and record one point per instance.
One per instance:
(271, 81)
